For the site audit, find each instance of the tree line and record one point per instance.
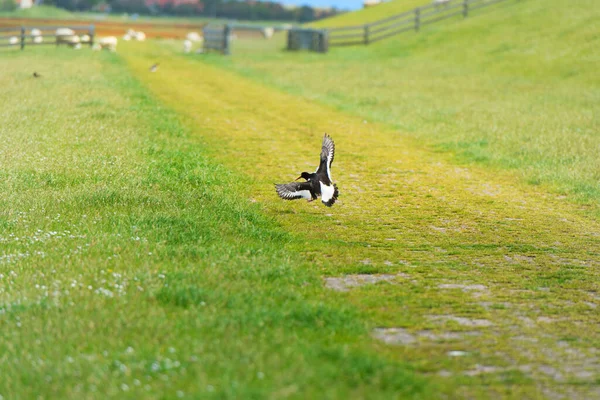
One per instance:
(233, 9)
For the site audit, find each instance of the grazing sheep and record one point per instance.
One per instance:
(36, 36)
(66, 36)
(127, 37)
(440, 3)
(85, 38)
(187, 46)
(107, 43)
(268, 32)
(13, 40)
(140, 36)
(194, 37)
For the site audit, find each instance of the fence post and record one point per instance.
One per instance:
(91, 34)
(366, 35)
(226, 33)
(22, 37)
(417, 18)
(465, 8)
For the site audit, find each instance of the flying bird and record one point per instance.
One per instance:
(154, 67)
(318, 183)
(36, 75)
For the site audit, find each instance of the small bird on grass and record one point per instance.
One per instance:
(36, 75)
(318, 183)
(154, 67)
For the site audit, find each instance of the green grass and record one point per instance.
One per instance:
(155, 190)
(371, 14)
(132, 265)
(515, 87)
(407, 210)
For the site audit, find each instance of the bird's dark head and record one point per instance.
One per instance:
(304, 175)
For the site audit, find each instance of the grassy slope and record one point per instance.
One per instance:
(515, 87)
(410, 212)
(370, 14)
(131, 267)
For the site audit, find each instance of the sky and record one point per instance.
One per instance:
(343, 4)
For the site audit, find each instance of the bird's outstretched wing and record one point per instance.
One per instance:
(294, 190)
(327, 154)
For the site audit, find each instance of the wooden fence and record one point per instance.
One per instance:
(218, 38)
(21, 36)
(408, 21)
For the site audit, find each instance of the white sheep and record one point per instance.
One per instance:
(194, 37)
(13, 40)
(140, 36)
(187, 46)
(268, 32)
(36, 35)
(85, 38)
(67, 36)
(130, 32)
(440, 3)
(107, 43)
(127, 37)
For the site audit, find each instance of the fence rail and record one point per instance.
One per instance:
(407, 21)
(21, 36)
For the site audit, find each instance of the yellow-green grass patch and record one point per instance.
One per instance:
(370, 14)
(501, 271)
(514, 87)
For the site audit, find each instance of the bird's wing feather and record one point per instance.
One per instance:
(329, 193)
(327, 155)
(294, 190)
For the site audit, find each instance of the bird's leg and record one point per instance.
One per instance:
(309, 200)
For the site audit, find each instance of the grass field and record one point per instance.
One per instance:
(525, 102)
(144, 253)
(133, 266)
(370, 14)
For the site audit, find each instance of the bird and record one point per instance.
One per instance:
(318, 183)
(154, 67)
(36, 75)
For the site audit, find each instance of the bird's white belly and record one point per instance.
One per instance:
(327, 192)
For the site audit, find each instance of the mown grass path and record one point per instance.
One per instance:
(504, 274)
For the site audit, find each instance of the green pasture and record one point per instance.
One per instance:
(371, 14)
(515, 87)
(132, 264)
(145, 254)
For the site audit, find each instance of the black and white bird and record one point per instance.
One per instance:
(154, 67)
(36, 75)
(318, 183)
